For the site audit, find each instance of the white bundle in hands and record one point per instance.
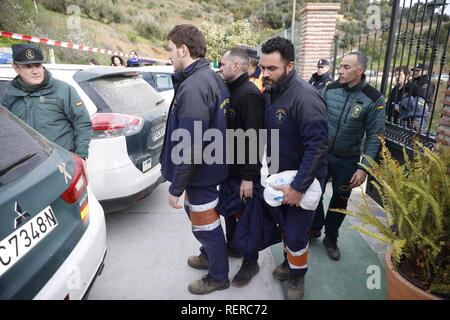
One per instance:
(274, 198)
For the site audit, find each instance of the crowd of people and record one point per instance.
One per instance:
(321, 129)
(321, 134)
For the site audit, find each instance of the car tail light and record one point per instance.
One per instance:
(79, 182)
(107, 125)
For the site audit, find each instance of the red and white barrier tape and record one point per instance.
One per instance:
(71, 45)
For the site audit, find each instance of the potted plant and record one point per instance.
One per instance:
(416, 199)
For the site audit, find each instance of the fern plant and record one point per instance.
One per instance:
(416, 199)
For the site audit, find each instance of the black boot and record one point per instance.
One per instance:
(245, 274)
(332, 248)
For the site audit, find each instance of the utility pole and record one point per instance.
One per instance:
(35, 6)
(293, 21)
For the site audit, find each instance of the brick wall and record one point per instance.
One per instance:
(444, 122)
(318, 27)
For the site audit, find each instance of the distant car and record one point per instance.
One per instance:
(370, 73)
(444, 77)
(5, 57)
(160, 78)
(128, 120)
(52, 228)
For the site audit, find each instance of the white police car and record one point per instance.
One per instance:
(128, 119)
(160, 78)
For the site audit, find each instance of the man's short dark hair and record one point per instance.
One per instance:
(282, 45)
(239, 54)
(190, 36)
(361, 57)
(253, 61)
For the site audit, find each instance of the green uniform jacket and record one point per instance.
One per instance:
(355, 115)
(56, 111)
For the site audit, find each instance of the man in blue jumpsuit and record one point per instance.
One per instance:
(199, 105)
(296, 110)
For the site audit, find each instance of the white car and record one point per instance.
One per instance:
(160, 78)
(128, 120)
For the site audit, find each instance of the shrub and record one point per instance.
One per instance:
(416, 199)
(150, 31)
(188, 14)
(57, 5)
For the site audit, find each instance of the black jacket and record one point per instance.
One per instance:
(320, 82)
(297, 112)
(392, 106)
(246, 112)
(420, 89)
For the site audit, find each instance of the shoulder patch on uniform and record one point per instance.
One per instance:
(79, 103)
(371, 92)
(334, 85)
(280, 115)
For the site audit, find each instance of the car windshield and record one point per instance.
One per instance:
(128, 95)
(22, 148)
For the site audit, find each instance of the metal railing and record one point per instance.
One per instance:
(417, 34)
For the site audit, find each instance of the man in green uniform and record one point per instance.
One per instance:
(52, 107)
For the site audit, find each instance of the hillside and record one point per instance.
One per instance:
(141, 25)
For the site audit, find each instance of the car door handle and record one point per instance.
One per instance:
(161, 101)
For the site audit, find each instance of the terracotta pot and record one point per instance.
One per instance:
(401, 289)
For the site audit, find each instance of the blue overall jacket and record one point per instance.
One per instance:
(298, 112)
(200, 102)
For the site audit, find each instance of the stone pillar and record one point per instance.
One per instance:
(444, 123)
(318, 27)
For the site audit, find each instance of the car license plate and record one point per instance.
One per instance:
(20, 242)
(159, 132)
(147, 164)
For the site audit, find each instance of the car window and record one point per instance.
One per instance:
(121, 94)
(26, 148)
(164, 81)
(3, 84)
(147, 76)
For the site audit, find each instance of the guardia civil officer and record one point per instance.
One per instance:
(356, 116)
(52, 107)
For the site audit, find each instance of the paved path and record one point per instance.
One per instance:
(148, 246)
